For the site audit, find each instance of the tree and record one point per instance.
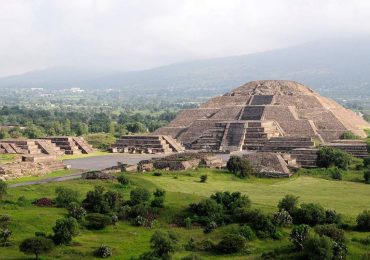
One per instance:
(282, 218)
(310, 214)
(139, 195)
(65, 196)
(76, 211)
(36, 246)
(319, 248)
(288, 203)
(64, 230)
(163, 244)
(329, 157)
(363, 221)
(240, 166)
(3, 189)
(299, 235)
(231, 243)
(137, 127)
(95, 201)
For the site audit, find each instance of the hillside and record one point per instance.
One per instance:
(333, 65)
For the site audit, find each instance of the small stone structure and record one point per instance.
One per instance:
(272, 165)
(181, 161)
(146, 144)
(29, 146)
(72, 145)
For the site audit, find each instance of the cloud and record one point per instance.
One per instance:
(137, 34)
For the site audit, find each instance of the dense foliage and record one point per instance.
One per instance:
(328, 157)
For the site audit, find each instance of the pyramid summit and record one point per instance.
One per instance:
(261, 115)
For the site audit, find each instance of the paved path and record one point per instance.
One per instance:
(105, 161)
(47, 180)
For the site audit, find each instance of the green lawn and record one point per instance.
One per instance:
(348, 198)
(79, 156)
(57, 173)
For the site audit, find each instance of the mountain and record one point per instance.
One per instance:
(339, 66)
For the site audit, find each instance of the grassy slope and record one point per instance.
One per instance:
(348, 198)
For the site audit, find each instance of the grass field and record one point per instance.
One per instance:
(79, 156)
(348, 198)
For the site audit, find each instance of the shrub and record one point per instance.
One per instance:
(310, 214)
(331, 231)
(282, 218)
(332, 217)
(123, 180)
(103, 251)
(188, 222)
(3, 189)
(76, 211)
(98, 201)
(240, 167)
(320, 248)
(329, 157)
(36, 246)
(210, 227)
(139, 195)
(246, 232)
(97, 221)
(367, 162)
(157, 174)
(163, 244)
(44, 202)
(159, 193)
(157, 202)
(231, 243)
(348, 135)
(299, 235)
(335, 174)
(22, 201)
(190, 245)
(363, 221)
(144, 222)
(65, 196)
(259, 222)
(367, 176)
(289, 203)
(4, 236)
(113, 199)
(4, 220)
(64, 230)
(203, 178)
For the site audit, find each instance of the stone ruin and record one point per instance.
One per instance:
(72, 145)
(146, 144)
(269, 116)
(181, 161)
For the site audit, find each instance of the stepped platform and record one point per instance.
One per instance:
(356, 148)
(146, 144)
(71, 145)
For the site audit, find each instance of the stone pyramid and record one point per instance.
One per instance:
(261, 115)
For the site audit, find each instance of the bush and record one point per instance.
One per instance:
(367, 176)
(332, 217)
(331, 231)
(3, 189)
(231, 243)
(98, 201)
(299, 235)
(76, 211)
(210, 227)
(163, 244)
(159, 193)
(123, 180)
(259, 222)
(157, 202)
(289, 203)
(36, 246)
(139, 195)
(310, 214)
(246, 232)
(64, 230)
(335, 174)
(157, 174)
(65, 196)
(103, 251)
(363, 221)
(348, 135)
(282, 218)
(97, 221)
(329, 157)
(320, 248)
(240, 167)
(4, 220)
(44, 202)
(367, 162)
(4, 236)
(203, 178)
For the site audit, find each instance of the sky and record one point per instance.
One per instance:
(140, 34)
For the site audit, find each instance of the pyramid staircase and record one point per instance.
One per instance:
(66, 144)
(84, 146)
(211, 139)
(258, 133)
